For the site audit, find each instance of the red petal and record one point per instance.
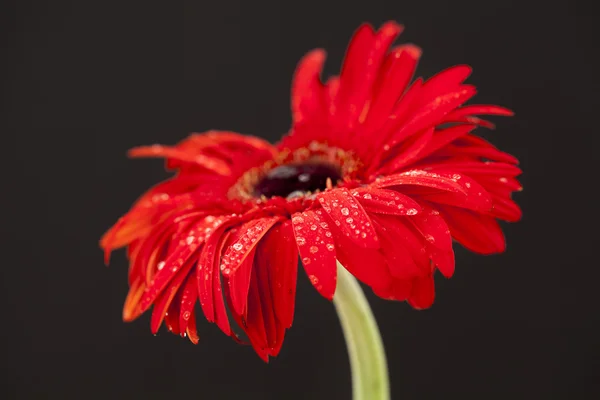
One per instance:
(213, 164)
(446, 81)
(367, 265)
(478, 233)
(349, 217)
(131, 309)
(279, 252)
(452, 189)
(191, 331)
(239, 284)
(254, 322)
(164, 300)
(208, 275)
(398, 258)
(423, 293)
(307, 89)
(244, 242)
(401, 231)
(383, 201)
(189, 296)
(267, 306)
(317, 250)
(438, 241)
(479, 110)
(396, 74)
(431, 113)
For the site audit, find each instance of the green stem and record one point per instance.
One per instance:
(365, 348)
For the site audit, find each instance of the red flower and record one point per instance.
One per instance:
(376, 173)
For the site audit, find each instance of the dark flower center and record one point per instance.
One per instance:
(293, 180)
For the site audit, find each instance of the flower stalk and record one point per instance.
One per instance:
(365, 347)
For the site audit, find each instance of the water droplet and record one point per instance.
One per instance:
(238, 246)
(349, 220)
(160, 265)
(301, 241)
(367, 196)
(411, 211)
(330, 247)
(306, 261)
(313, 279)
(430, 238)
(186, 315)
(363, 235)
(313, 249)
(345, 211)
(467, 184)
(503, 180)
(313, 227)
(328, 234)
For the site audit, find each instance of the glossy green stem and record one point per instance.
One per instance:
(365, 347)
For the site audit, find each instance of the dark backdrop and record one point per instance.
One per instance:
(83, 81)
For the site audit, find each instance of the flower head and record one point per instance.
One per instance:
(377, 172)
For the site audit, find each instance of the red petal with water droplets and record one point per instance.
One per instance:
(180, 253)
(349, 217)
(437, 239)
(208, 275)
(239, 284)
(384, 201)
(243, 242)
(317, 250)
(189, 296)
(452, 189)
(164, 299)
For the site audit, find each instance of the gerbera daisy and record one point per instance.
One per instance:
(377, 173)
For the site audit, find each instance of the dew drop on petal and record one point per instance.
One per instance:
(160, 265)
(411, 211)
(301, 241)
(306, 260)
(238, 246)
(313, 249)
(345, 211)
(330, 247)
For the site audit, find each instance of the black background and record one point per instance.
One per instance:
(83, 81)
